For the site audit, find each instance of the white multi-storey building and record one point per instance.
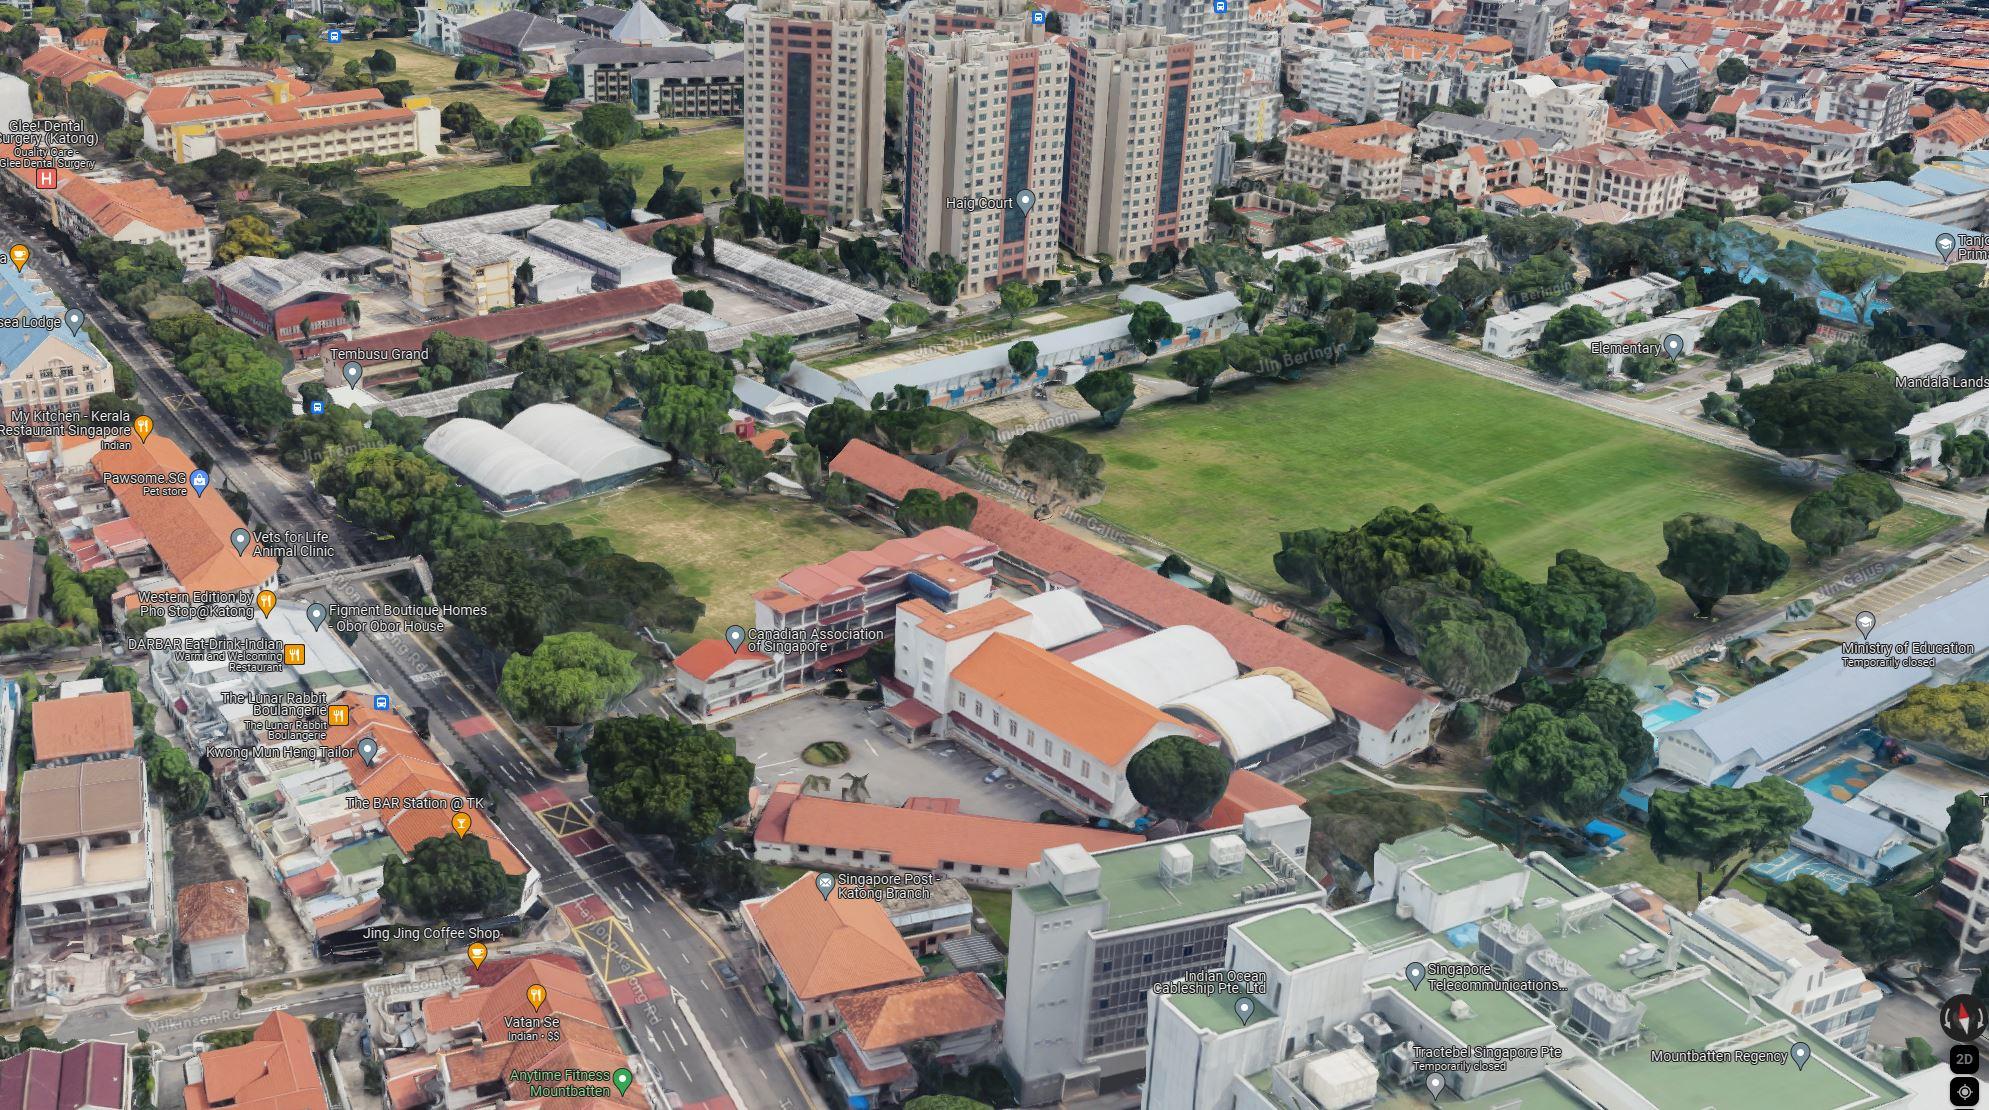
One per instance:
(1575, 114)
(1786, 965)
(1351, 86)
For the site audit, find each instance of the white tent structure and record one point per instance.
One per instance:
(1165, 666)
(1252, 714)
(509, 473)
(586, 444)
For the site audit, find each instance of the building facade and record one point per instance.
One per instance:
(815, 105)
(985, 113)
(1600, 174)
(1142, 138)
(1218, 32)
(1573, 114)
(1805, 977)
(43, 369)
(1669, 82)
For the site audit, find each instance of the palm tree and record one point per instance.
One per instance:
(351, 310)
(815, 784)
(856, 787)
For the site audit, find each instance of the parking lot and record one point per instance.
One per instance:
(774, 737)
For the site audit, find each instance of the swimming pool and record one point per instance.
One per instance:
(1670, 712)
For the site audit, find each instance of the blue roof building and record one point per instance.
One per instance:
(1894, 234)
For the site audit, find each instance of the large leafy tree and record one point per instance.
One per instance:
(1562, 765)
(450, 878)
(1711, 557)
(1149, 324)
(1867, 925)
(923, 508)
(1393, 547)
(1855, 415)
(1108, 391)
(1964, 821)
(1055, 471)
(409, 498)
(1576, 322)
(1610, 706)
(1179, 778)
(567, 679)
(1955, 716)
(1726, 828)
(1469, 649)
(664, 776)
(1626, 601)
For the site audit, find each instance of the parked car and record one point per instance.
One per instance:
(726, 973)
(996, 775)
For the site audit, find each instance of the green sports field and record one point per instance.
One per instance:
(1532, 474)
(722, 549)
(711, 157)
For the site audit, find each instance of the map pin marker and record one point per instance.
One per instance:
(623, 1078)
(1244, 1008)
(316, 613)
(1435, 1084)
(19, 253)
(825, 883)
(239, 538)
(265, 601)
(198, 480)
(1414, 974)
(1865, 622)
(479, 952)
(1674, 345)
(1799, 1052)
(368, 748)
(735, 636)
(1945, 242)
(1024, 200)
(74, 318)
(536, 995)
(461, 823)
(353, 372)
(141, 426)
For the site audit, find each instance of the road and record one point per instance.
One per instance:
(749, 1062)
(1675, 412)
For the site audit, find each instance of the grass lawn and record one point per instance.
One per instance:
(1675, 882)
(722, 549)
(434, 75)
(712, 157)
(1531, 474)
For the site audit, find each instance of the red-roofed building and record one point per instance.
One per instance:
(92, 1075)
(1807, 132)
(590, 318)
(1604, 174)
(87, 726)
(712, 676)
(1385, 718)
(275, 1070)
(1248, 793)
(140, 212)
(1368, 160)
(1951, 134)
(187, 535)
(959, 1015)
(282, 123)
(818, 950)
(802, 830)
(470, 1034)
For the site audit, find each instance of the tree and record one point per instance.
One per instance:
(1711, 557)
(1715, 826)
(245, 235)
(560, 91)
(1110, 392)
(617, 201)
(1867, 925)
(774, 353)
(1218, 589)
(1626, 601)
(520, 135)
(1353, 824)
(1199, 369)
(1022, 357)
(1954, 716)
(1016, 298)
(1732, 71)
(1964, 821)
(381, 61)
(451, 878)
(1394, 546)
(1443, 316)
(1148, 325)
(1573, 323)
(1608, 705)
(941, 278)
(1468, 648)
(1055, 471)
(1542, 277)
(606, 125)
(176, 781)
(922, 508)
(1178, 778)
(567, 679)
(830, 427)
(1739, 332)
(1541, 761)
(657, 775)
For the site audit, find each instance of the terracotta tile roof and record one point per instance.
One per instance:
(407, 1076)
(91, 724)
(274, 1071)
(1080, 708)
(1335, 139)
(405, 767)
(165, 96)
(630, 304)
(828, 946)
(891, 1017)
(208, 911)
(1367, 696)
(337, 121)
(1247, 793)
(864, 1074)
(113, 206)
(1961, 126)
(852, 571)
(707, 657)
(920, 839)
(962, 623)
(1527, 196)
(190, 534)
(587, 1039)
(63, 64)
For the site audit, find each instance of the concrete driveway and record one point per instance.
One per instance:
(774, 737)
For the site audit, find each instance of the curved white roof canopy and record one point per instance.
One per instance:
(1252, 714)
(1165, 666)
(584, 443)
(494, 461)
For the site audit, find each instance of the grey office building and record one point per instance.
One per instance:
(1528, 24)
(1671, 82)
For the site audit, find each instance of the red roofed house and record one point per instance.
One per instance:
(712, 676)
(20, 585)
(1381, 718)
(276, 1070)
(140, 212)
(1248, 793)
(470, 1036)
(1602, 174)
(187, 534)
(92, 1075)
(283, 123)
(1951, 134)
(816, 950)
(960, 1014)
(802, 830)
(88, 726)
(1807, 132)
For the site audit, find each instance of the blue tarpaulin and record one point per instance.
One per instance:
(1603, 829)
